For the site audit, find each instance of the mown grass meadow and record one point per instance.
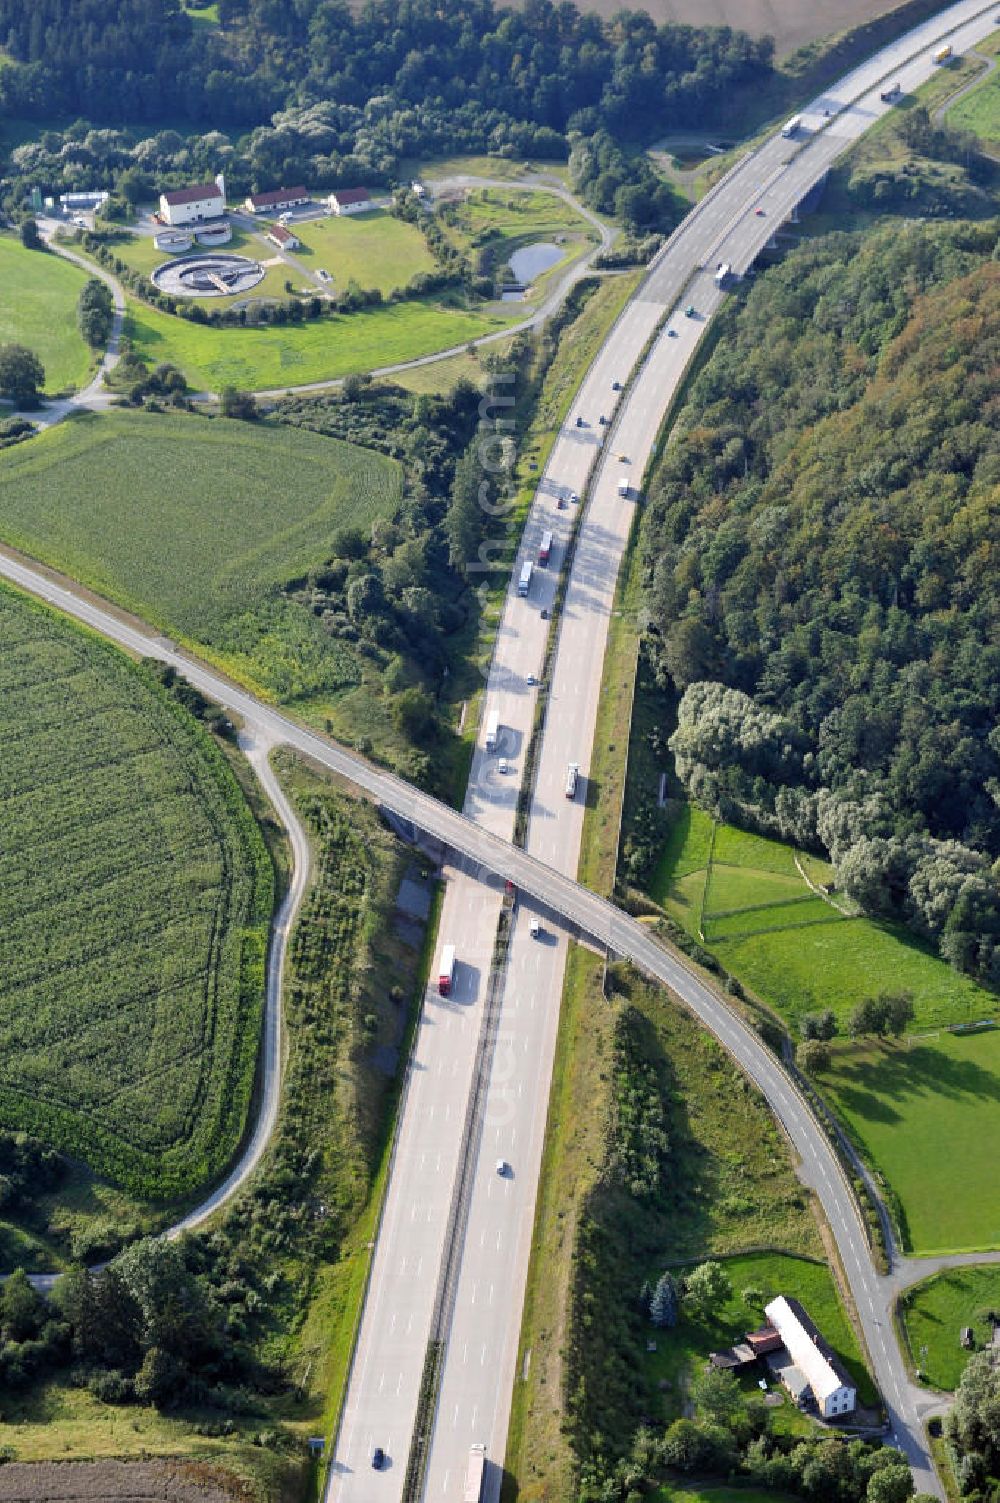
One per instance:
(135, 899)
(324, 349)
(935, 1312)
(38, 297)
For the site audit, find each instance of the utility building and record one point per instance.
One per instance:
(195, 204)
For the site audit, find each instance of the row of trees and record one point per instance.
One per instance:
(819, 545)
(95, 311)
(729, 1435)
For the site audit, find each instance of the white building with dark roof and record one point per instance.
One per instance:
(822, 1371)
(195, 204)
(349, 201)
(276, 199)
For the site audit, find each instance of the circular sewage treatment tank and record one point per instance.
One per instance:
(212, 275)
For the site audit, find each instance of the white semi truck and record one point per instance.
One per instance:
(475, 1475)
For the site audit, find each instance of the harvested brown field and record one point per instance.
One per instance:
(118, 1482)
(792, 23)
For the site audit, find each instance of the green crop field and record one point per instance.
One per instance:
(135, 896)
(324, 349)
(927, 1116)
(38, 297)
(195, 524)
(372, 249)
(935, 1312)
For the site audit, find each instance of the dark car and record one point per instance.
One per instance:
(378, 1458)
(579, 422)
(616, 386)
(545, 615)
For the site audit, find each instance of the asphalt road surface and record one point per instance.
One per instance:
(382, 1391)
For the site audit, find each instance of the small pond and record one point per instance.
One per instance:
(529, 262)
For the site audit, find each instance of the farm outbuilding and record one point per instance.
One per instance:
(349, 201)
(282, 238)
(275, 200)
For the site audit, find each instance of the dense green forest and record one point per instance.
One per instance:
(400, 74)
(821, 551)
(351, 93)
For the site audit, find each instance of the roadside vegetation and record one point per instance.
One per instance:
(135, 910)
(38, 309)
(231, 1345)
(658, 1156)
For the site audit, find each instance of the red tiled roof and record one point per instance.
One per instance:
(277, 196)
(351, 195)
(192, 195)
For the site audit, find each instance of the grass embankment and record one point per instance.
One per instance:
(729, 1185)
(38, 309)
(934, 1314)
(979, 110)
(354, 980)
(136, 897)
(196, 524)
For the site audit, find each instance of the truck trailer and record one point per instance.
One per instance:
(791, 127)
(572, 778)
(891, 94)
(446, 970)
(943, 53)
(545, 548)
(475, 1475)
(492, 731)
(524, 581)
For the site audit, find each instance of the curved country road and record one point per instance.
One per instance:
(256, 745)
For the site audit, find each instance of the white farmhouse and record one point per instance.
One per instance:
(831, 1384)
(195, 204)
(349, 201)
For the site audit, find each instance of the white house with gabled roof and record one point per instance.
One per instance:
(831, 1384)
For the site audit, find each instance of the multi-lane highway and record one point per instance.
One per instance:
(732, 226)
(480, 1353)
